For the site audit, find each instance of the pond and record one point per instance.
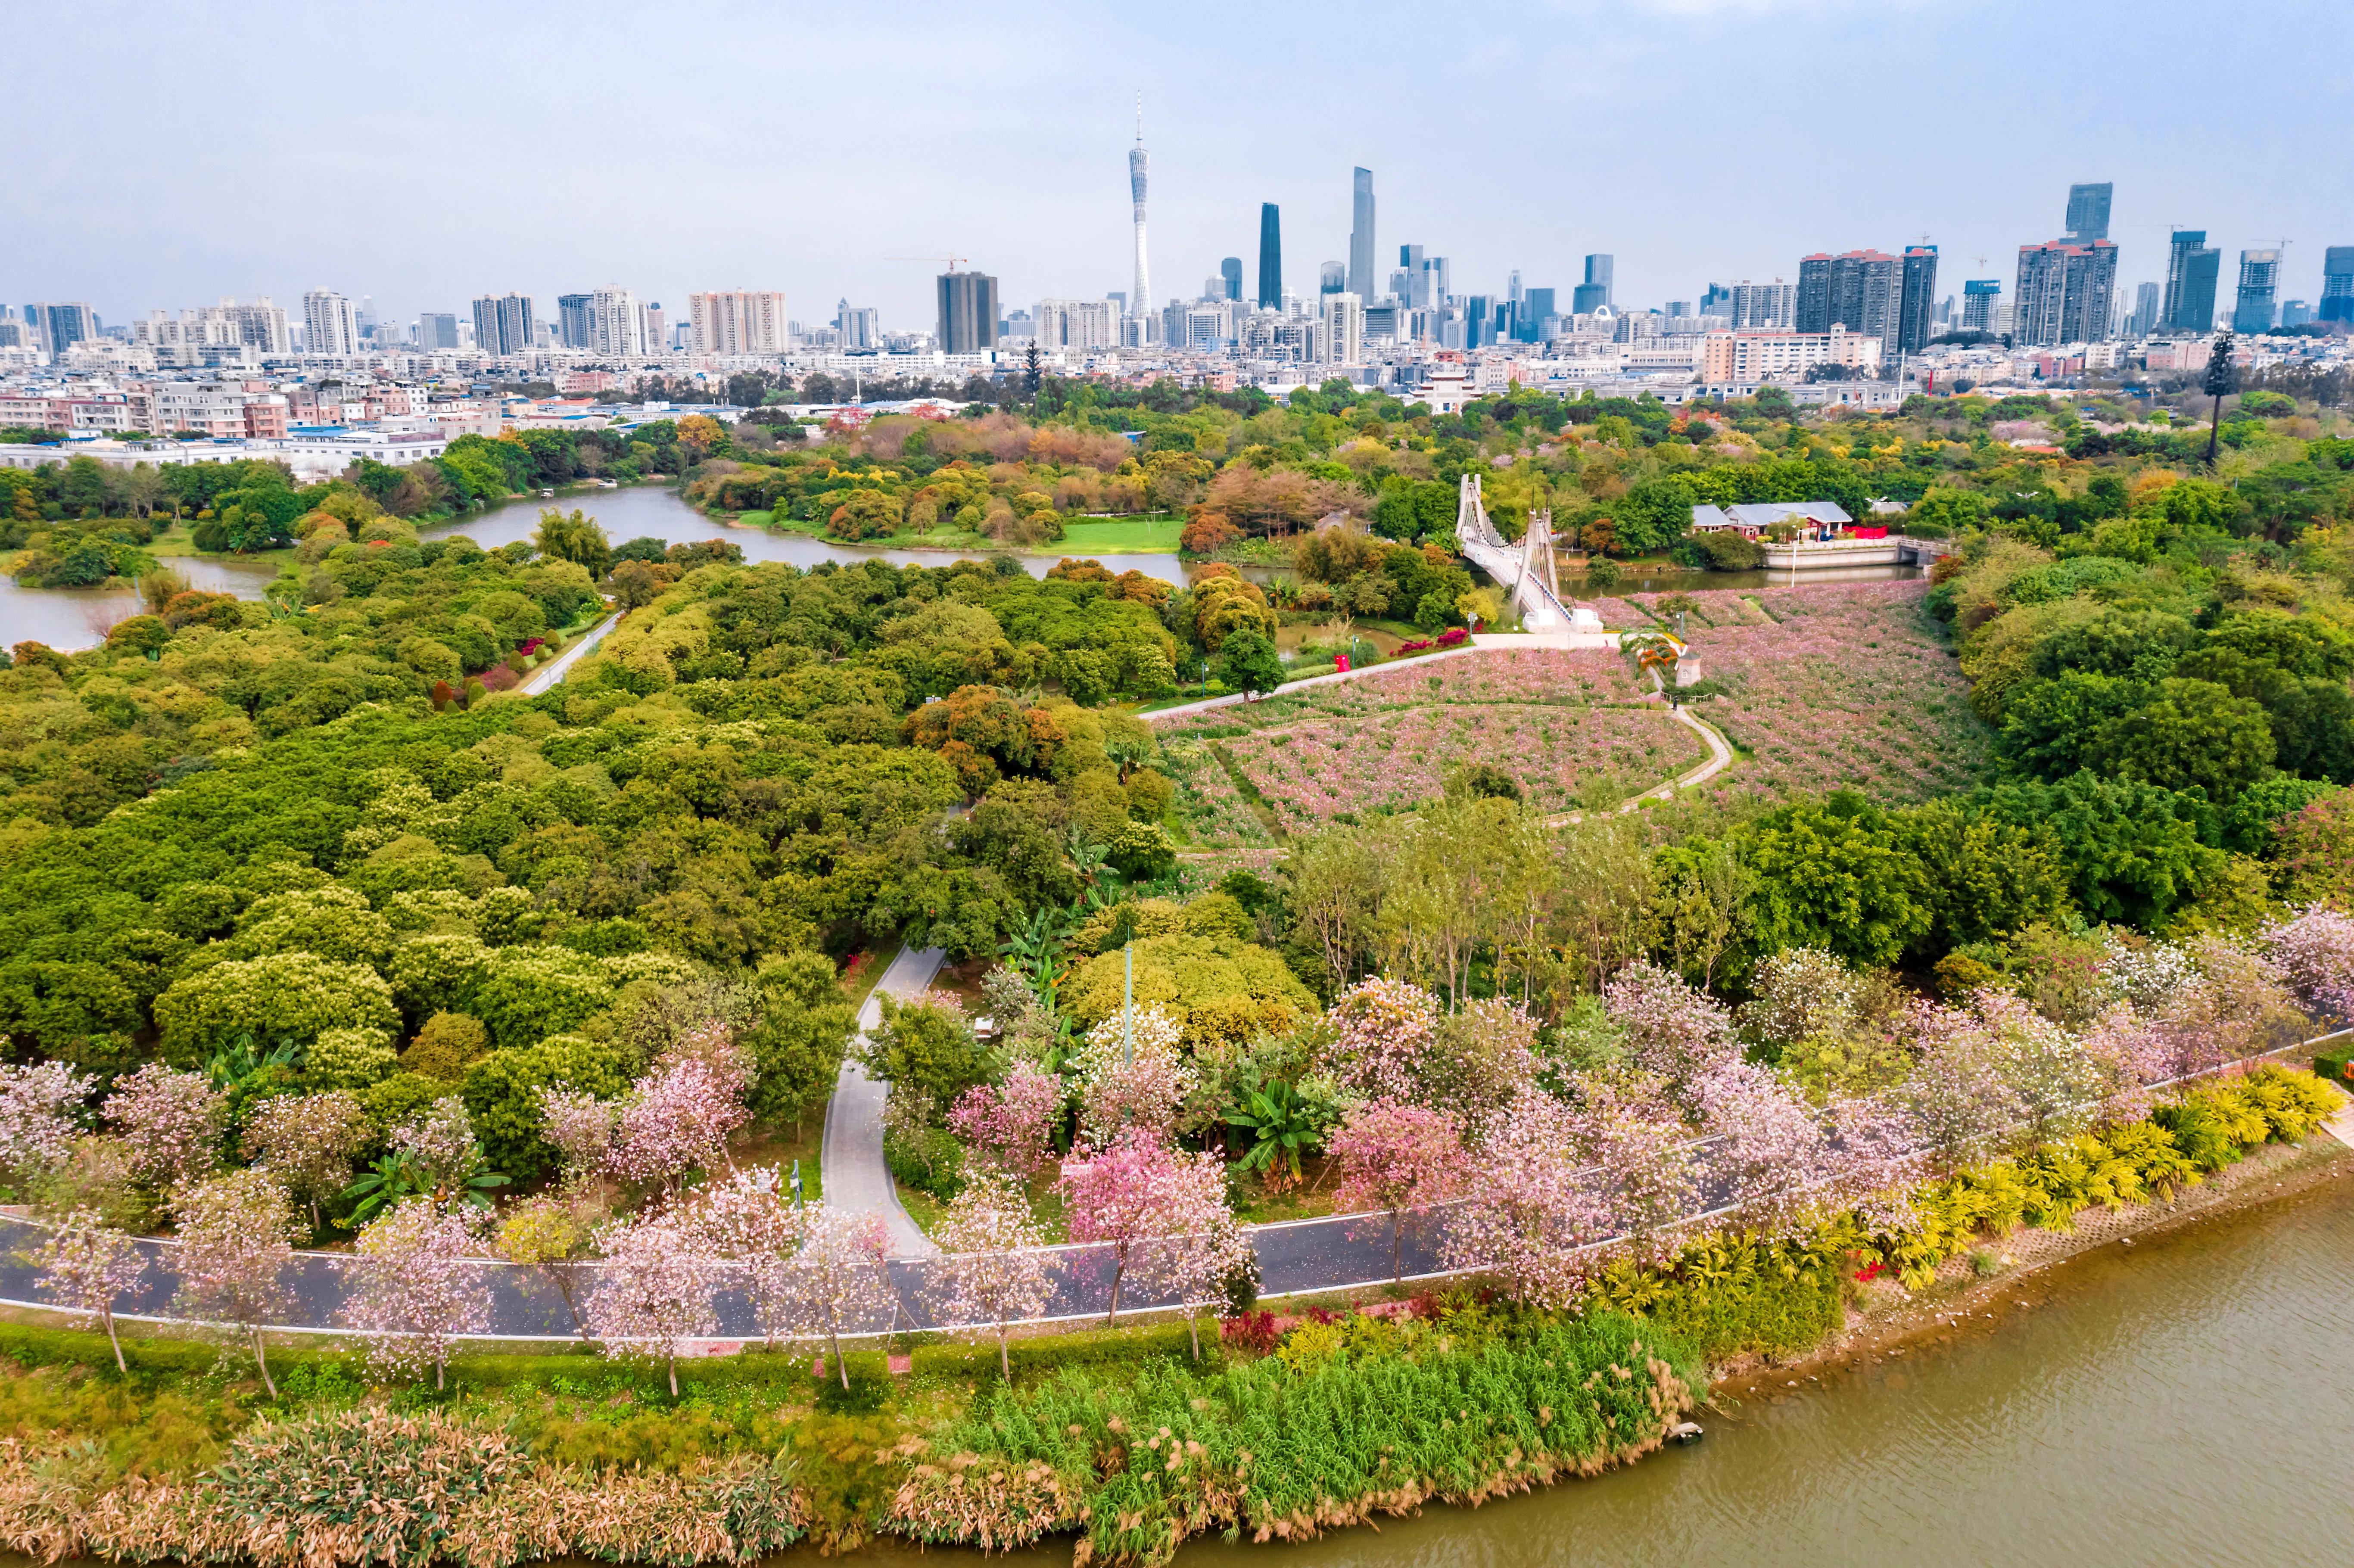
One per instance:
(70, 619)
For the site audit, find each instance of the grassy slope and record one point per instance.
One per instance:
(1149, 533)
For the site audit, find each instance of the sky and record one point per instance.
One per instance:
(425, 153)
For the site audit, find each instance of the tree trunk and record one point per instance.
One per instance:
(108, 1314)
(1004, 1360)
(673, 1369)
(1193, 1328)
(841, 1367)
(440, 1363)
(2215, 429)
(1118, 1268)
(261, 1359)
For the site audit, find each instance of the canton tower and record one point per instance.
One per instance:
(1140, 302)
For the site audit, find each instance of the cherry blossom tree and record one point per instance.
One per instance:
(1129, 1192)
(1649, 1176)
(581, 1128)
(1673, 1031)
(308, 1142)
(997, 1270)
(1533, 1209)
(1956, 1094)
(1402, 1161)
(1774, 1148)
(549, 1233)
(1145, 1095)
(419, 1284)
(173, 1122)
(236, 1236)
(38, 1105)
(836, 1278)
(657, 1287)
(1012, 1124)
(85, 1265)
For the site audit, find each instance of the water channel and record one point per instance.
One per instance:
(2187, 1400)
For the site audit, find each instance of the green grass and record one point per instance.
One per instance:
(177, 544)
(1146, 534)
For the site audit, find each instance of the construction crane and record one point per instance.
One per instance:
(952, 260)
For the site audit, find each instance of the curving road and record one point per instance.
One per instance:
(855, 1176)
(548, 675)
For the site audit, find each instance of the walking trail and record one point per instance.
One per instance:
(542, 679)
(855, 1175)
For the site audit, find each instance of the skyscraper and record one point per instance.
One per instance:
(437, 329)
(2145, 318)
(1757, 307)
(1360, 237)
(2259, 279)
(2088, 212)
(616, 323)
(967, 312)
(329, 323)
(1332, 278)
(1594, 292)
(1979, 298)
(57, 327)
(572, 320)
(1862, 290)
(1231, 271)
(1136, 162)
(2064, 293)
(1270, 257)
(1536, 304)
(502, 326)
(2337, 284)
(2191, 270)
(1917, 302)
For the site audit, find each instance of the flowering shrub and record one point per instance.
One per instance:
(1011, 1123)
(677, 1118)
(1453, 637)
(440, 1140)
(1673, 1031)
(308, 1142)
(2314, 952)
(1384, 1029)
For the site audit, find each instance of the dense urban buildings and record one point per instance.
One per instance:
(744, 321)
(503, 324)
(1981, 296)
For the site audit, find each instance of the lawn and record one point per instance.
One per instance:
(1153, 533)
(1844, 686)
(176, 544)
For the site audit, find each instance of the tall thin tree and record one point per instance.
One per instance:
(2217, 384)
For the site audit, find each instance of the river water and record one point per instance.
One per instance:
(2189, 1400)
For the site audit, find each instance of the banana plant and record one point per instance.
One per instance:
(394, 1178)
(1283, 1125)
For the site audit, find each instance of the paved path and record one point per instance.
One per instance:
(853, 1173)
(547, 675)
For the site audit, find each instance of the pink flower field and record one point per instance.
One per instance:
(1848, 685)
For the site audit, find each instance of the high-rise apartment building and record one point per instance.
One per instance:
(657, 329)
(1979, 298)
(752, 321)
(1755, 307)
(57, 327)
(2337, 284)
(857, 326)
(2259, 283)
(330, 326)
(503, 325)
(1862, 290)
(1361, 236)
(2295, 313)
(1917, 302)
(616, 323)
(2064, 293)
(2192, 268)
(1341, 322)
(1270, 257)
(1595, 291)
(968, 313)
(437, 330)
(572, 328)
(2088, 212)
(2148, 301)
(1076, 323)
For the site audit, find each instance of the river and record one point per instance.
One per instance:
(2187, 1400)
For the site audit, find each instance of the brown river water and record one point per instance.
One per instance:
(2189, 1400)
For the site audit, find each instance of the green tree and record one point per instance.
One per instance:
(2191, 734)
(806, 1022)
(577, 538)
(1249, 663)
(1835, 876)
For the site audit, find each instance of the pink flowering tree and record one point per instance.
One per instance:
(1651, 1176)
(1400, 1160)
(308, 1142)
(236, 1236)
(677, 1119)
(1012, 1124)
(418, 1284)
(748, 1218)
(579, 1126)
(1199, 1245)
(173, 1122)
(1384, 1031)
(1533, 1209)
(657, 1287)
(2314, 952)
(1774, 1148)
(1129, 1192)
(1673, 1031)
(1145, 1093)
(38, 1108)
(997, 1269)
(836, 1279)
(85, 1265)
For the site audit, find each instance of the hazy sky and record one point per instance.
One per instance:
(424, 153)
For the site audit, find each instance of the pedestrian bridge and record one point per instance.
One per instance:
(1525, 571)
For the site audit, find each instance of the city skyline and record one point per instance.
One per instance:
(361, 194)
